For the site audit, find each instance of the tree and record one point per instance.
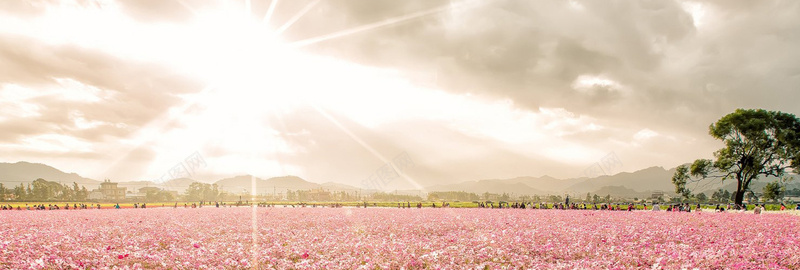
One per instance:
(83, 194)
(774, 191)
(757, 143)
(19, 192)
(202, 191)
(158, 196)
(721, 196)
(701, 197)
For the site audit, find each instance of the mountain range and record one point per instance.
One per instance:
(640, 183)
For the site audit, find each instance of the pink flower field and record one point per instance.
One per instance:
(347, 238)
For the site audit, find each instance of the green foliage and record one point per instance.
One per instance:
(757, 143)
(159, 196)
(388, 197)
(453, 196)
(202, 192)
(701, 197)
(721, 196)
(43, 190)
(774, 191)
(679, 179)
(554, 198)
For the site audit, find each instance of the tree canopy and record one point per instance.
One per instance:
(757, 143)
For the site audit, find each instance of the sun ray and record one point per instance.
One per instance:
(367, 147)
(157, 125)
(282, 126)
(188, 7)
(296, 17)
(271, 9)
(376, 25)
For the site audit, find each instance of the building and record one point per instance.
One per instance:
(108, 191)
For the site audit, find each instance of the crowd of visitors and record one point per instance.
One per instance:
(680, 207)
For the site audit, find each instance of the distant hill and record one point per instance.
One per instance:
(545, 183)
(621, 185)
(12, 174)
(179, 184)
(244, 183)
(620, 191)
(338, 187)
(639, 184)
(650, 179)
(491, 186)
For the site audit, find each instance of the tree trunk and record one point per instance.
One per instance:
(739, 196)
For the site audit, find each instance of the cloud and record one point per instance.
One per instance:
(532, 53)
(150, 11)
(470, 89)
(64, 80)
(25, 8)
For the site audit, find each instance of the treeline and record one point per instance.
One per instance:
(388, 197)
(321, 195)
(43, 190)
(203, 192)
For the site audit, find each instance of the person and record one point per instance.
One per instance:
(116, 206)
(757, 210)
(783, 207)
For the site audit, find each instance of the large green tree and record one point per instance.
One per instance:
(757, 143)
(202, 191)
(774, 191)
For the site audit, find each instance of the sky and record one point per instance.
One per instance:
(340, 90)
